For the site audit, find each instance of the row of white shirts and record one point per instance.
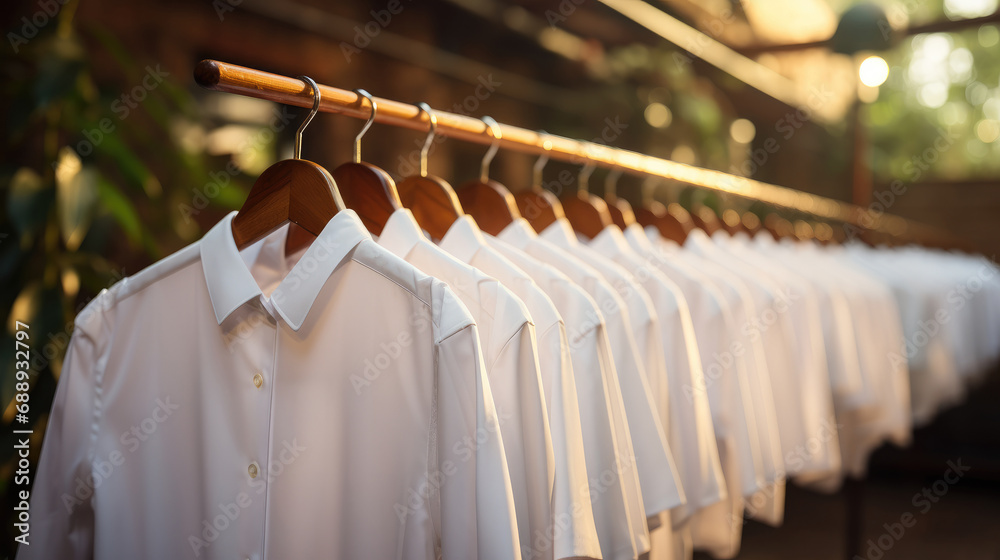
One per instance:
(533, 396)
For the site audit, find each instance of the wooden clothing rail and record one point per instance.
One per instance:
(231, 78)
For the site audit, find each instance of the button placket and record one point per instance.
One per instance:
(255, 383)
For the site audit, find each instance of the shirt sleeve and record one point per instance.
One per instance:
(516, 384)
(574, 534)
(691, 429)
(609, 464)
(475, 518)
(62, 519)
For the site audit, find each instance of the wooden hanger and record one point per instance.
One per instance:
(486, 200)
(803, 230)
(674, 225)
(778, 227)
(732, 222)
(587, 213)
(706, 219)
(432, 200)
(292, 191)
(620, 209)
(537, 205)
(367, 189)
(751, 223)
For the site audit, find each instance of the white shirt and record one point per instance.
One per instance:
(466, 241)
(643, 365)
(766, 505)
(885, 412)
(507, 338)
(820, 456)
(704, 483)
(346, 413)
(728, 389)
(591, 344)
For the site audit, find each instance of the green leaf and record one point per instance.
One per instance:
(122, 209)
(60, 61)
(125, 160)
(28, 201)
(76, 196)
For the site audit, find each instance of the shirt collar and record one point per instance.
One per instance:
(561, 233)
(230, 283)
(637, 238)
(611, 239)
(401, 233)
(699, 239)
(463, 239)
(721, 236)
(518, 233)
(764, 239)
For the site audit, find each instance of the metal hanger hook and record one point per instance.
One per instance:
(583, 181)
(432, 117)
(536, 175)
(611, 182)
(493, 127)
(368, 124)
(317, 97)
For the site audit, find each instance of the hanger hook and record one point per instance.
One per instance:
(611, 182)
(583, 181)
(543, 159)
(432, 117)
(493, 127)
(317, 97)
(371, 118)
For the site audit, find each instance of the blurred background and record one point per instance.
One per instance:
(114, 158)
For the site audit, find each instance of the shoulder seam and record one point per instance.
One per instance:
(506, 344)
(393, 280)
(456, 331)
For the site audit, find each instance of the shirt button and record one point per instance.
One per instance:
(252, 469)
(258, 379)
